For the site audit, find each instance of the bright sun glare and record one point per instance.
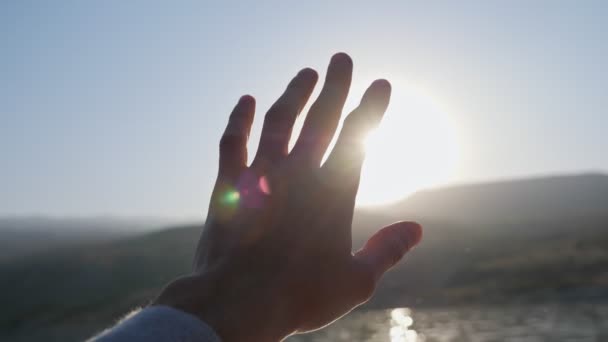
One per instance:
(415, 147)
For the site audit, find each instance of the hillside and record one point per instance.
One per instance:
(68, 294)
(24, 236)
(510, 201)
(556, 249)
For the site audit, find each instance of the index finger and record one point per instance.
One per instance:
(346, 159)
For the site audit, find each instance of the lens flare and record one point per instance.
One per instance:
(231, 197)
(263, 185)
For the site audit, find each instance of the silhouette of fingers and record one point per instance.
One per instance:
(343, 166)
(233, 144)
(385, 248)
(279, 119)
(324, 115)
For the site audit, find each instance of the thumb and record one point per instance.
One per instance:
(385, 248)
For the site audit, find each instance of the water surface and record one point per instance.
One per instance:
(580, 322)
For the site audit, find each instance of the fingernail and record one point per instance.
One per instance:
(307, 71)
(382, 83)
(246, 98)
(341, 57)
(412, 233)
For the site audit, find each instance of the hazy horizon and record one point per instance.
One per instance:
(159, 220)
(115, 109)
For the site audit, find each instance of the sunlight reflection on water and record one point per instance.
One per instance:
(401, 322)
(581, 322)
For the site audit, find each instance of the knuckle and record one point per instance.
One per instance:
(279, 112)
(324, 104)
(366, 284)
(356, 121)
(230, 142)
(351, 119)
(394, 252)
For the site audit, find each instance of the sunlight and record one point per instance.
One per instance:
(401, 321)
(415, 147)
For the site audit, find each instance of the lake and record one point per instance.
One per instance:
(580, 322)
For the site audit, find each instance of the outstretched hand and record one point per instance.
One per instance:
(275, 256)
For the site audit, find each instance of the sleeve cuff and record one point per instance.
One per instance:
(159, 323)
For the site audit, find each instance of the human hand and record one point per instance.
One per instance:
(275, 255)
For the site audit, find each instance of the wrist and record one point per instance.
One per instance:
(233, 314)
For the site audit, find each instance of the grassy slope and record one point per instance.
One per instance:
(73, 293)
(76, 291)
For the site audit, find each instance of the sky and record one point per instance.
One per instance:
(116, 107)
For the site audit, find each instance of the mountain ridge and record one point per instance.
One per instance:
(509, 200)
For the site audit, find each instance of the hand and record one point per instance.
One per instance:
(275, 255)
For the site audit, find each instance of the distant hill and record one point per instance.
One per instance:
(22, 236)
(528, 240)
(510, 201)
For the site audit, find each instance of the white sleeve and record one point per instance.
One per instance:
(158, 323)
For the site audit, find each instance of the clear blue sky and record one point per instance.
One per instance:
(116, 107)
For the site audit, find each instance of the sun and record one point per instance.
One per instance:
(415, 147)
